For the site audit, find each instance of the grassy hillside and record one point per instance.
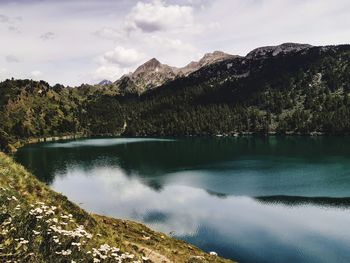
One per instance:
(39, 225)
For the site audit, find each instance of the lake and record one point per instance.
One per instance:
(252, 199)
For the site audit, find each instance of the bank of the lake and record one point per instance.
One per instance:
(40, 225)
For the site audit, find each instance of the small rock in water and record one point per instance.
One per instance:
(212, 253)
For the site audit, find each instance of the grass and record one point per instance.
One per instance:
(40, 225)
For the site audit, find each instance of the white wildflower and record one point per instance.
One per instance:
(64, 252)
(76, 244)
(49, 212)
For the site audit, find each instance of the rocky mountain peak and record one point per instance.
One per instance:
(207, 59)
(214, 56)
(149, 75)
(152, 73)
(151, 65)
(284, 48)
(105, 82)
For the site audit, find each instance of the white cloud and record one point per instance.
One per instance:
(12, 59)
(4, 19)
(171, 44)
(3, 72)
(14, 29)
(36, 74)
(117, 62)
(9, 19)
(123, 56)
(109, 33)
(109, 72)
(157, 16)
(47, 36)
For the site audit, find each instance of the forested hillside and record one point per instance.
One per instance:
(302, 91)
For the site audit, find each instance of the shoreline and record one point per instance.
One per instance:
(33, 140)
(40, 207)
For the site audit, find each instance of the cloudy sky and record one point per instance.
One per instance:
(84, 41)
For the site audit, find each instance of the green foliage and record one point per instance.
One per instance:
(300, 93)
(104, 116)
(4, 141)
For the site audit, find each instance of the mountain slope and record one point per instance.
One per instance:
(299, 90)
(287, 89)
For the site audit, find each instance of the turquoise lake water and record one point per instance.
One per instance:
(252, 199)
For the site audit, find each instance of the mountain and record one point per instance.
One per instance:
(153, 74)
(285, 89)
(208, 59)
(147, 76)
(105, 82)
(264, 52)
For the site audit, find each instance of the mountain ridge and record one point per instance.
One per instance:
(153, 73)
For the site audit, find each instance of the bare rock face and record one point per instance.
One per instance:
(153, 74)
(285, 48)
(208, 59)
(147, 76)
(105, 82)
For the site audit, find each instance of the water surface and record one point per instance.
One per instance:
(251, 199)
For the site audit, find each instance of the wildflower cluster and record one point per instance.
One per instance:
(54, 234)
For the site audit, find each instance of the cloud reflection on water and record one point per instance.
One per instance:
(232, 225)
(101, 142)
